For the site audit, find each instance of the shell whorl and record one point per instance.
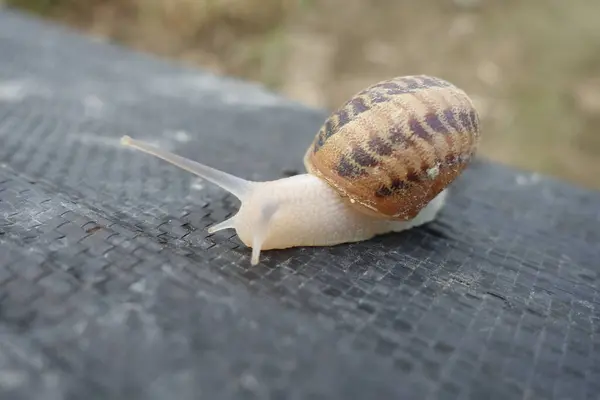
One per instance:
(394, 146)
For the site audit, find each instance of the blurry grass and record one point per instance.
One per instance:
(532, 66)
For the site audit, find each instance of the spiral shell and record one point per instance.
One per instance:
(394, 146)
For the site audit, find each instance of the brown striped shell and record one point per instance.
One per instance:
(394, 146)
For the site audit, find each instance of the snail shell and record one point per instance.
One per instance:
(396, 145)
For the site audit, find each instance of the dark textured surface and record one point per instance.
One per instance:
(111, 288)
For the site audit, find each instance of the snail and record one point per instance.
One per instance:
(381, 163)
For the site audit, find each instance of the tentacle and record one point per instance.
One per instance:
(226, 224)
(237, 186)
(261, 229)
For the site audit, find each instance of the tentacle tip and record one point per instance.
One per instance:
(255, 258)
(125, 140)
(226, 224)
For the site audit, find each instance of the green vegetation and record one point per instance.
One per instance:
(532, 66)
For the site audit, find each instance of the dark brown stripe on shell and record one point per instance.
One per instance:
(430, 81)
(450, 159)
(389, 85)
(379, 97)
(330, 128)
(381, 93)
(412, 176)
(380, 146)
(401, 86)
(451, 118)
(343, 117)
(357, 104)
(465, 121)
(398, 184)
(413, 84)
(396, 135)
(418, 129)
(319, 142)
(474, 120)
(348, 170)
(363, 158)
(435, 123)
(385, 191)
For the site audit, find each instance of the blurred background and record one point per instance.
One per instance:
(531, 66)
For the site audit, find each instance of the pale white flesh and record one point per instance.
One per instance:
(301, 210)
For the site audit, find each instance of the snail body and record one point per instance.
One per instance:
(380, 163)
